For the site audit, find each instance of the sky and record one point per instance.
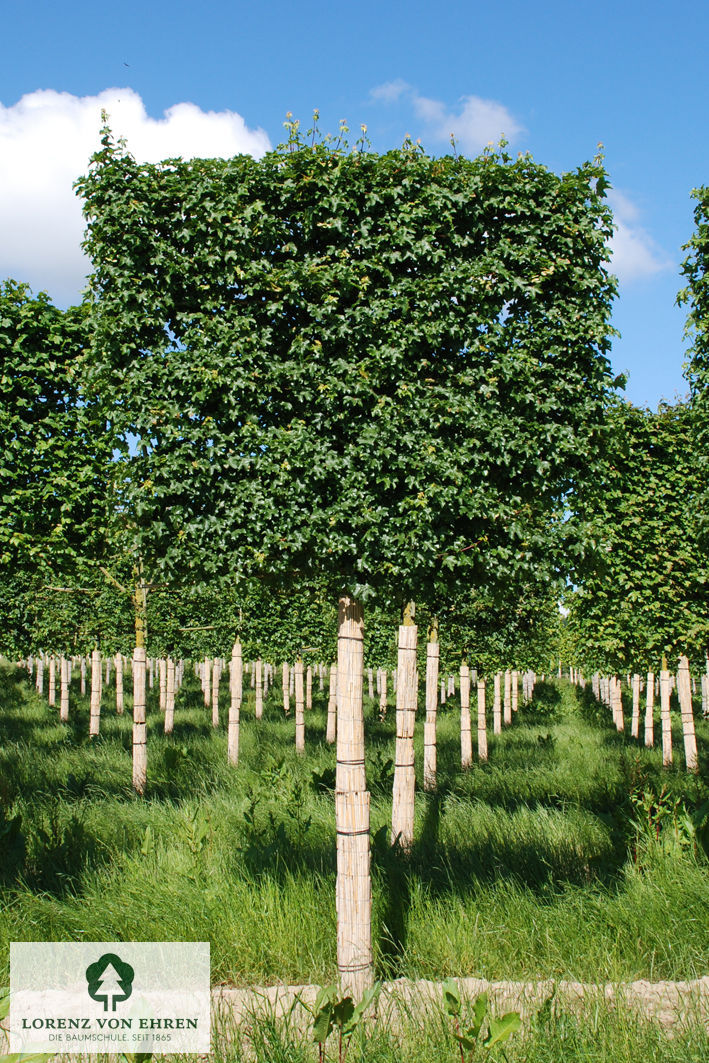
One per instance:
(214, 79)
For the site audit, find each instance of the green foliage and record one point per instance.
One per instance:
(382, 371)
(695, 295)
(333, 1012)
(644, 587)
(53, 474)
(468, 1036)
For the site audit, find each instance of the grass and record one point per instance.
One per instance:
(555, 1035)
(536, 865)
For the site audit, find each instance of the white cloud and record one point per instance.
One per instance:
(474, 124)
(634, 253)
(46, 140)
(390, 91)
(477, 122)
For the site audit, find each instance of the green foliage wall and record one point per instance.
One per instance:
(381, 372)
(54, 448)
(644, 591)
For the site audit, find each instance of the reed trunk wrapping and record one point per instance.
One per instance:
(169, 696)
(331, 731)
(207, 682)
(64, 676)
(635, 719)
(299, 708)
(95, 710)
(443, 691)
(370, 681)
(119, 684)
(151, 672)
(507, 704)
(402, 814)
(430, 767)
(382, 694)
(162, 683)
(482, 722)
(309, 688)
(665, 717)
(353, 890)
(52, 697)
(216, 676)
(140, 748)
(258, 707)
(235, 692)
(286, 689)
(39, 682)
(497, 704)
(684, 693)
(466, 738)
(617, 698)
(514, 691)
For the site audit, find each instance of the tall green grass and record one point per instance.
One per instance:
(534, 865)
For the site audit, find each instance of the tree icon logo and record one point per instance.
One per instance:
(110, 980)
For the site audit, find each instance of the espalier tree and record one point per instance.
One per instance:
(380, 370)
(643, 591)
(53, 482)
(695, 295)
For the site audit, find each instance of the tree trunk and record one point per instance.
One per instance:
(353, 891)
(52, 697)
(402, 813)
(207, 682)
(140, 748)
(286, 689)
(429, 729)
(482, 722)
(383, 694)
(95, 711)
(331, 732)
(466, 737)
(235, 691)
(649, 706)
(258, 707)
(299, 708)
(169, 696)
(507, 706)
(64, 676)
(309, 688)
(635, 719)
(684, 693)
(617, 701)
(497, 705)
(665, 717)
(162, 683)
(216, 675)
(119, 685)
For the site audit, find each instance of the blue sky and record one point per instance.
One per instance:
(557, 78)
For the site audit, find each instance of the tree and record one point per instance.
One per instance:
(643, 592)
(54, 451)
(696, 296)
(381, 371)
